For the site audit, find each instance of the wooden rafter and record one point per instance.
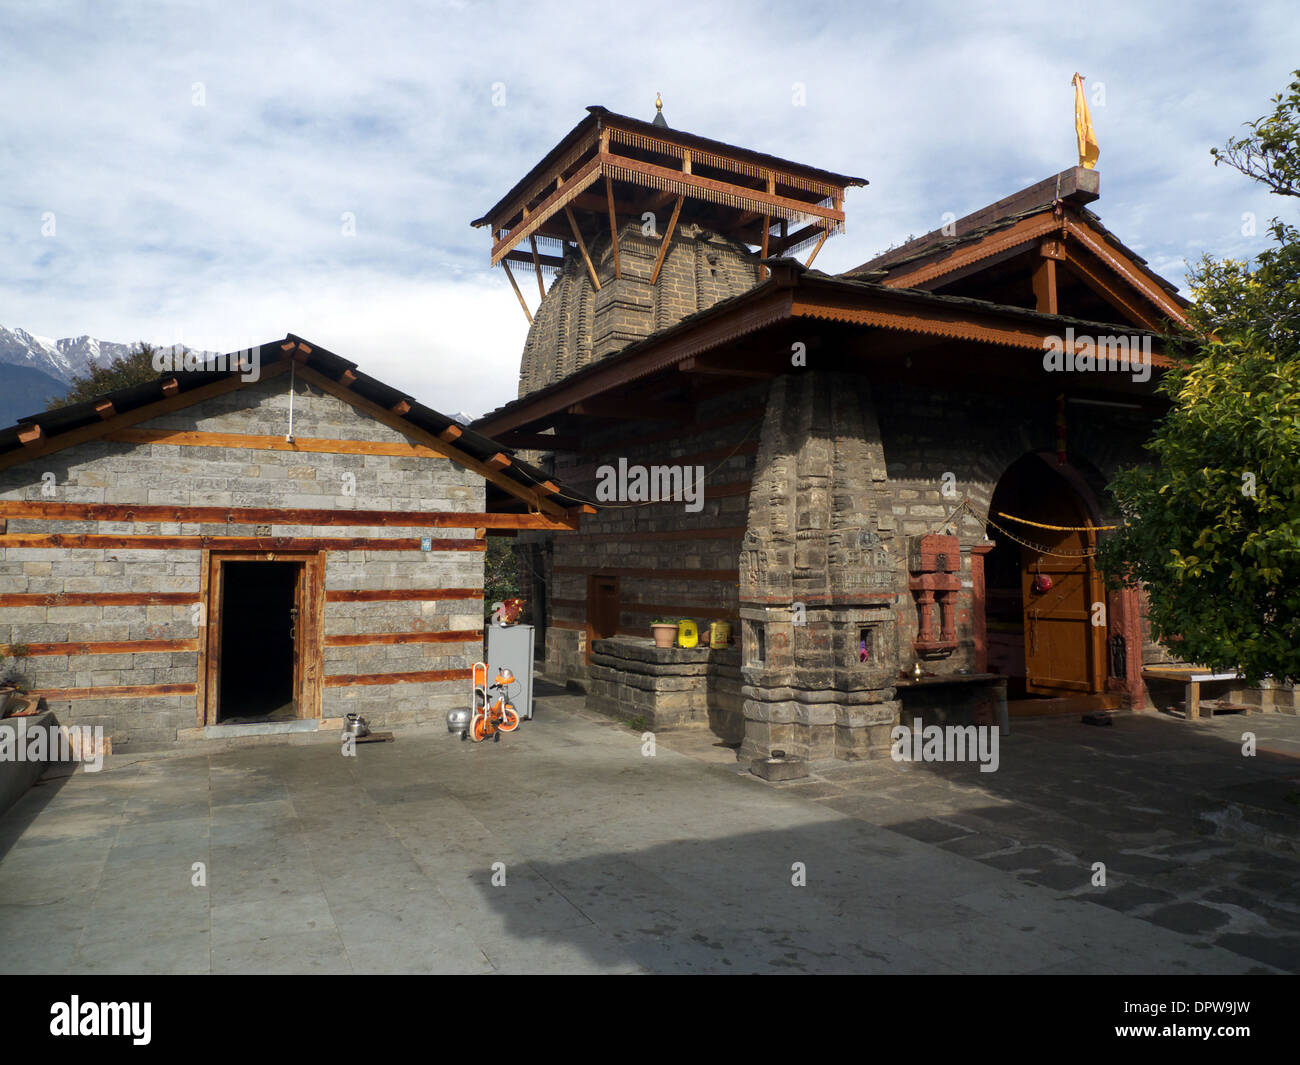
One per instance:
(514, 285)
(668, 236)
(582, 245)
(825, 234)
(1109, 292)
(527, 259)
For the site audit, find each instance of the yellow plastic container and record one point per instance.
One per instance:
(719, 633)
(687, 633)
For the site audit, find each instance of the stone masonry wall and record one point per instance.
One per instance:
(975, 436)
(576, 323)
(654, 549)
(113, 472)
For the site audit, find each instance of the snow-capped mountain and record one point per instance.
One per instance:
(35, 369)
(61, 359)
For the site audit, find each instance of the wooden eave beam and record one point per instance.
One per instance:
(49, 510)
(978, 266)
(743, 317)
(526, 259)
(948, 322)
(915, 275)
(603, 163)
(540, 214)
(782, 206)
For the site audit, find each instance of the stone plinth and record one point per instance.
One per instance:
(667, 687)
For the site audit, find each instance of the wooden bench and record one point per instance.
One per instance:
(1191, 677)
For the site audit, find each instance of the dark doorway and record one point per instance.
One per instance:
(258, 615)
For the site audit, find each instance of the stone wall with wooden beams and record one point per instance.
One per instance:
(105, 548)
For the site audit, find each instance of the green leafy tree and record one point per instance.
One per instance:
(132, 369)
(1213, 530)
(500, 572)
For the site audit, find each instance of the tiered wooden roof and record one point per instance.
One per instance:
(611, 166)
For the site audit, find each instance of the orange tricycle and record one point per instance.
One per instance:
(491, 718)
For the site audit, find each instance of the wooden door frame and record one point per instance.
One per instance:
(592, 580)
(309, 595)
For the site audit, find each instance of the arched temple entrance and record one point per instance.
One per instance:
(1045, 598)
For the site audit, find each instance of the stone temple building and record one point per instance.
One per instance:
(255, 546)
(903, 465)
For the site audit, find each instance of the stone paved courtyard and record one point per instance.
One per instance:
(615, 862)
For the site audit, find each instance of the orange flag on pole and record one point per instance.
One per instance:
(1088, 150)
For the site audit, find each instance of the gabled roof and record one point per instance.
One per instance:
(1049, 217)
(51, 431)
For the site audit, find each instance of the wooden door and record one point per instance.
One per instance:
(1064, 649)
(603, 609)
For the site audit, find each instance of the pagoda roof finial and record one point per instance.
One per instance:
(659, 112)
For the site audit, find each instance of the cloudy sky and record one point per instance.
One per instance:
(197, 158)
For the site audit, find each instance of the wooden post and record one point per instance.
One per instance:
(1044, 280)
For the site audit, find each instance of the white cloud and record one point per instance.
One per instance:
(223, 221)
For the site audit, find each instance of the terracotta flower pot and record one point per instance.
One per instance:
(664, 634)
